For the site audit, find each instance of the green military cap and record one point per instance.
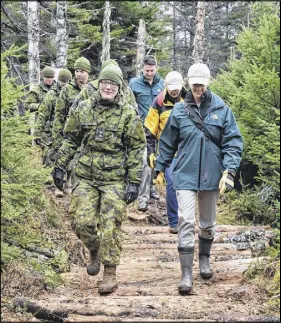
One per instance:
(48, 72)
(113, 73)
(109, 62)
(64, 75)
(82, 64)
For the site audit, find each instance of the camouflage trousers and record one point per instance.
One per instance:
(49, 156)
(96, 214)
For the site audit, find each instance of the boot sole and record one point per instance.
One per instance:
(206, 276)
(185, 291)
(104, 291)
(92, 272)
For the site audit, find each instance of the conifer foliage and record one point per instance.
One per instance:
(28, 216)
(251, 87)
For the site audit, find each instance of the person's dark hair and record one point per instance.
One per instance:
(149, 60)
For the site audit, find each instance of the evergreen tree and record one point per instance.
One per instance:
(27, 214)
(251, 87)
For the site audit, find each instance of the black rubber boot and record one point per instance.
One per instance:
(186, 260)
(109, 282)
(93, 266)
(205, 245)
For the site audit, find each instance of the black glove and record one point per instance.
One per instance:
(57, 174)
(37, 141)
(132, 193)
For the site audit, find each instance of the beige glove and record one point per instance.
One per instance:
(227, 182)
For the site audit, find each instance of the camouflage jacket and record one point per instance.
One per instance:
(91, 88)
(63, 104)
(46, 113)
(110, 139)
(36, 95)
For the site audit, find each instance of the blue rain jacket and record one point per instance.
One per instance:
(145, 93)
(200, 162)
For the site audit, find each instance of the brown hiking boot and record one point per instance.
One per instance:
(109, 283)
(93, 267)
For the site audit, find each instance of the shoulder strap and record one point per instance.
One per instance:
(198, 122)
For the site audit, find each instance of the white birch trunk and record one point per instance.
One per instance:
(61, 35)
(174, 61)
(140, 47)
(33, 41)
(106, 32)
(198, 49)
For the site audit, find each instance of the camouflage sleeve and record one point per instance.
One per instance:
(72, 140)
(132, 100)
(44, 113)
(31, 102)
(135, 143)
(83, 95)
(60, 117)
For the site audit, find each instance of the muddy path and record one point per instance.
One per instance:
(149, 274)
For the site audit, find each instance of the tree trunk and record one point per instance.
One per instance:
(33, 42)
(140, 47)
(61, 35)
(106, 32)
(174, 39)
(198, 49)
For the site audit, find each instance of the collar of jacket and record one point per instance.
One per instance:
(156, 78)
(48, 87)
(97, 99)
(205, 98)
(74, 83)
(168, 100)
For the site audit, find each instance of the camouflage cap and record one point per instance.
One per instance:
(64, 75)
(48, 72)
(82, 64)
(113, 73)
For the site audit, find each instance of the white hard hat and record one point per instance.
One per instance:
(174, 81)
(198, 73)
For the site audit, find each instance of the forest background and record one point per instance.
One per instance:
(241, 47)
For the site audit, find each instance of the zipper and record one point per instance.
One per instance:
(199, 175)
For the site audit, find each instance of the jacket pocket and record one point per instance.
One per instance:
(113, 162)
(84, 167)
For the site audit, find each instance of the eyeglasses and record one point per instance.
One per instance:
(105, 83)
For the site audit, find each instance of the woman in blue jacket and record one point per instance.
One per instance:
(204, 132)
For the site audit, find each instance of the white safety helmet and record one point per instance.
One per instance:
(174, 81)
(198, 73)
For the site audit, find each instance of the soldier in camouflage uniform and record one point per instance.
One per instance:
(46, 114)
(90, 89)
(38, 92)
(66, 98)
(111, 138)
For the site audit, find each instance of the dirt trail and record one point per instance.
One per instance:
(148, 277)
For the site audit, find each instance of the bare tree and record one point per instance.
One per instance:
(174, 59)
(33, 42)
(198, 49)
(141, 41)
(106, 32)
(61, 34)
